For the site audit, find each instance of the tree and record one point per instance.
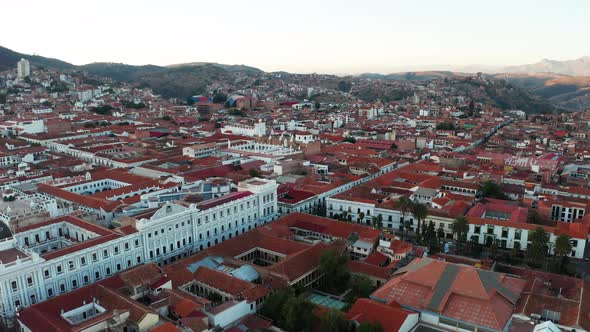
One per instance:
(317, 105)
(344, 215)
(102, 110)
(403, 204)
(166, 118)
(378, 221)
(254, 173)
(219, 98)
(536, 251)
(393, 146)
(445, 126)
(563, 245)
(350, 139)
(332, 321)
(361, 217)
(460, 227)
(430, 234)
(420, 211)
(333, 267)
(494, 248)
(273, 305)
(492, 190)
(297, 314)
(440, 233)
(361, 286)
(190, 101)
(369, 327)
(471, 108)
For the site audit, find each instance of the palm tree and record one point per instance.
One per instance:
(344, 215)
(460, 227)
(494, 247)
(563, 245)
(378, 221)
(562, 248)
(420, 211)
(403, 205)
(440, 233)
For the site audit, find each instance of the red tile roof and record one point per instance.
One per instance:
(460, 292)
(391, 316)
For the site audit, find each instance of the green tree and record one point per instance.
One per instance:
(333, 321)
(494, 248)
(166, 118)
(350, 139)
(563, 246)
(254, 173)
(219, 98)
(420, 211)
(317, 105)
(102, 110)
(492, 190)
(378, 221)
(333, 266)
(361, 217)
(430, 233)
(404, 205)
(297, 314)
(370, 327)
(361, 286)
(393, 146)
(460, 227)
(440, 233)
(536, 251)
(445, 126)
(274, 303)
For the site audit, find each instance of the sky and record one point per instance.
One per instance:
(304, 36)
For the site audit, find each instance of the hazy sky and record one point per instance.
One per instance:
(326, 36)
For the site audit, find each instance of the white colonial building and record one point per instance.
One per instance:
(61, 254)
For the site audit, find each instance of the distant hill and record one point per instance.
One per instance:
(231, 68)
(578, 67)
(9, 58)
(567, 92)
(411, 75)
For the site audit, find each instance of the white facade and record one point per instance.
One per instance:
(510, 237)
(174, 231)
(256, 130)
(23, 68)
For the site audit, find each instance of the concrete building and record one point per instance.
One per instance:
(23, 68)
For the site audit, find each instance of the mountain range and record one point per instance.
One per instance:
(565, 83)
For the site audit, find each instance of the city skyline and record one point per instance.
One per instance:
(343, 38)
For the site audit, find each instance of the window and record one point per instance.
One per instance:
(49, 292)
(504, 231)
(13, 285)
(59, 269)
(94, 257)
(74, 283)
(71, 265)
(137, 243)
(86, 279)
(46, 273)
(30, 281)
(82, 261)
(97, 275)
(62, 288)
(105, 253)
